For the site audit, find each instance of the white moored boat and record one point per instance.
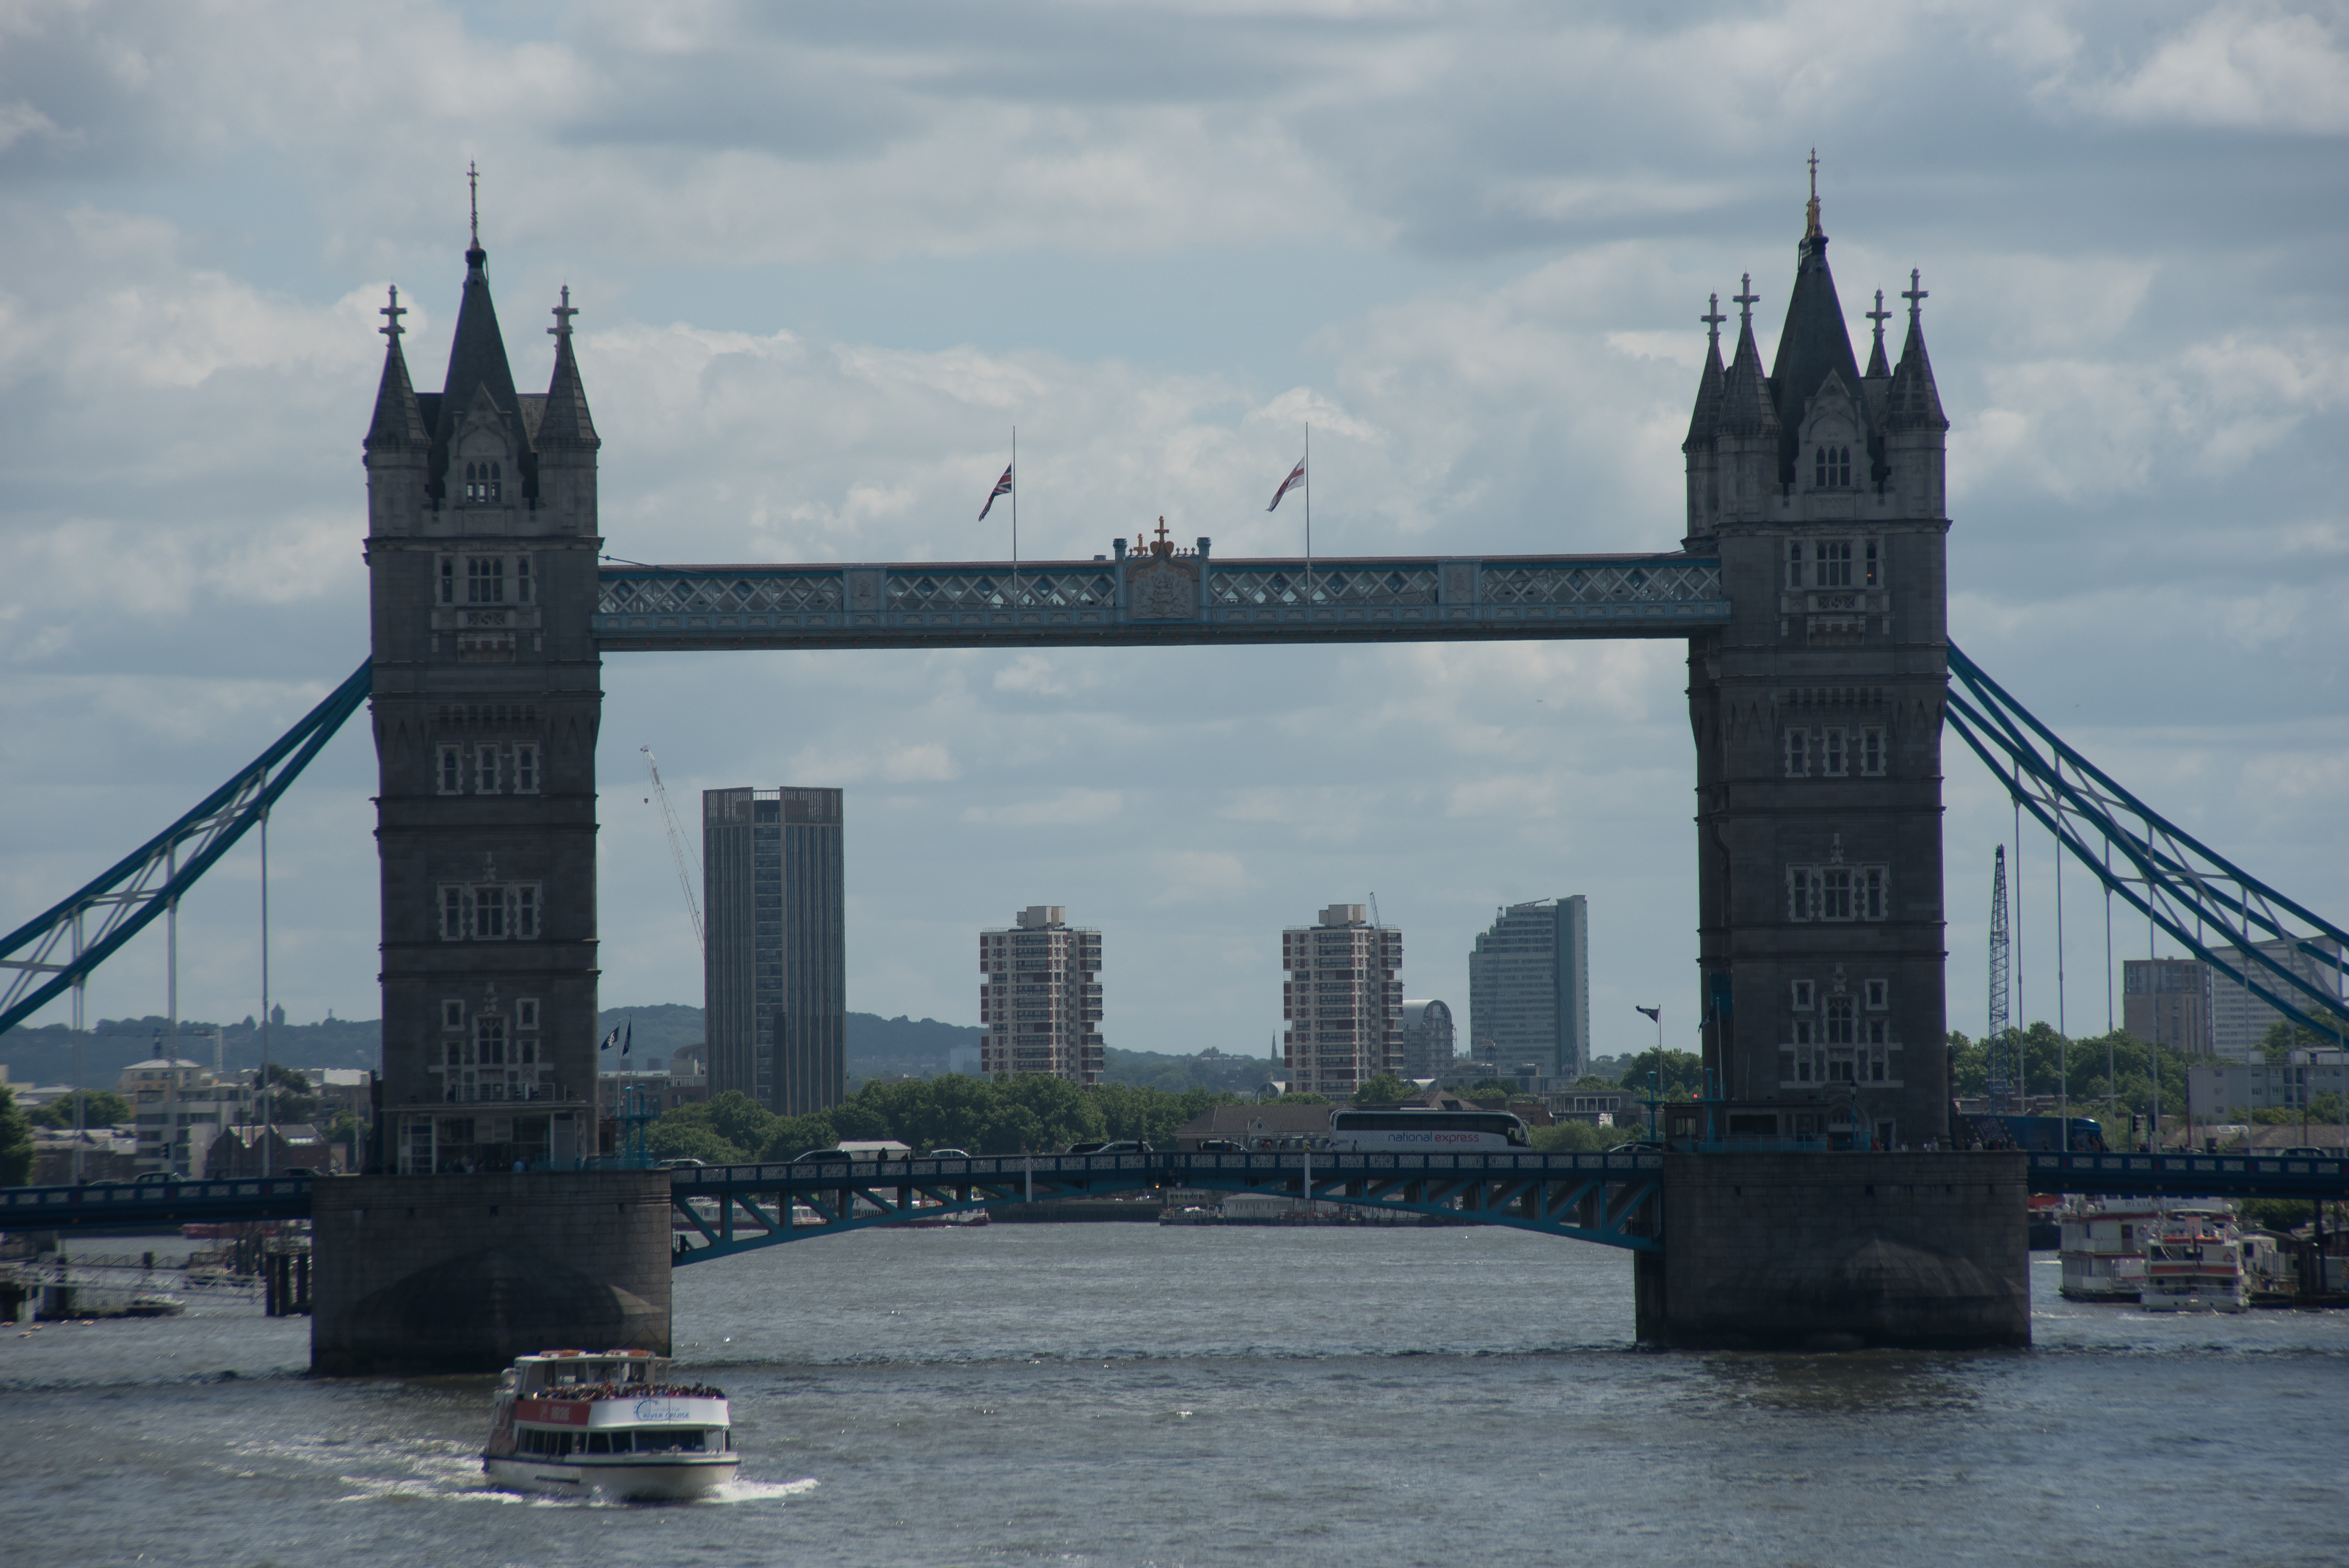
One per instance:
(609, 1423)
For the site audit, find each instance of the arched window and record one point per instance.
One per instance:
(1843, 467)
(1819, 468)
(497, 476)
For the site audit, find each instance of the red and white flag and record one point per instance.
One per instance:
(1296, 477)
(1002, 487)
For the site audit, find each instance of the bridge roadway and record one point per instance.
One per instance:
(724, 1210)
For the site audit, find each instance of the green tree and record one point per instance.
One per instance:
(100, 1108)
(692, 1141)
(1683, 1074)
(1386, 1089)
(1578, 1138)
(794, 1136)
(1296, 1097)
(2284, 1036)
(15, 1141)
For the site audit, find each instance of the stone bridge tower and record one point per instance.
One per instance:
(482, 546)
(1817, 720)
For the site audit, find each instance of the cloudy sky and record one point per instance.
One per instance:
(828, 256)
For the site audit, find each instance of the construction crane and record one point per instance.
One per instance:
(1999, 1046)
(677, 849)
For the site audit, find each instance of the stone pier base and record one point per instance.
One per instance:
(1826, 1252)
(461, 1273)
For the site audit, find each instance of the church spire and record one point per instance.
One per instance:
(1877, 368)
(1746, 406)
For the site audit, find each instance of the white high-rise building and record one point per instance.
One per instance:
(1343, 1000)
(1529, 989)
(1040, 1002)
(2240, 1021)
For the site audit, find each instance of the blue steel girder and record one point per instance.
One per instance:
(2212, 906)
(1607, 1198)
(110, 1205)
(2241, 1175)
(1186, 597)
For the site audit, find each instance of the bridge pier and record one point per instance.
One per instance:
(462, 1274)
(1829, 1252)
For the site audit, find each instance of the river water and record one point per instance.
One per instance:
(1127, 1393)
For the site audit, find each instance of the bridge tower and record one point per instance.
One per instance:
(1817, 718)
(481, 551)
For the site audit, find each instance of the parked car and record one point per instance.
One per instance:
(156, 1178)
(1115, 1145)
(686, 1163)
(1639, 1145)
(950, 1154)
(2300, 1153)
(1220, 1146)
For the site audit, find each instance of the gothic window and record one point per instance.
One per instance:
(525, 769)
(1878, 1030)
(1803, 993)
(452, 1014)
(1795, 564)
(1871, 893)
(1872, 577)
(486, 769)
(521, 576)
(1802, 893)
(485, 579)
(452, 914)
(1834, 903)
(1871, 752)
(490, 914)
(1831, 754)
(448, 579)
(1835, 564)
(484, 481)
(1839, 1020)
(1878, 993)
(1798, 753)
(1831, 468)
(489, 1039)
(452, 770)
(526, 911)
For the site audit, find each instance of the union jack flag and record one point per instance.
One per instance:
(1002, 487)
(1296, 477)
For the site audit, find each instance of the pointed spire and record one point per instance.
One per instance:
(399, 422)
(1877, 367)
(1813, 341)
(1708, 384)
(477, 360)
(566, 421)
(1745, 405)
(1915, 403)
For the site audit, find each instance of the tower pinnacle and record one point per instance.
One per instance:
(474, 199)
(394, 311)
(561, 330)
(1811, 209)
(1916, 297)
(1712, 319)
(1745, 299)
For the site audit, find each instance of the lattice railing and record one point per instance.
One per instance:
(1645, 583)
(983, 590)
(769, 592)
(1338, 585)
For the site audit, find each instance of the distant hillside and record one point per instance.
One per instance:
(878, 1047)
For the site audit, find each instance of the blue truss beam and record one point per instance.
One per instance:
(42, 959)
(2182, 885)
(1609, 1200)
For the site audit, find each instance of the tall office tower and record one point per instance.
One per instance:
(2167, 1002)
(1529, 988)
(1040, 1002)
(1343, 1000)
(1427, 1039)
(2240, 1021)
(773, 960)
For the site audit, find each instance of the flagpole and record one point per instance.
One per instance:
(1015, 519)
(1308, 518)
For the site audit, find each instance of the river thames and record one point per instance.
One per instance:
(1126, 1394)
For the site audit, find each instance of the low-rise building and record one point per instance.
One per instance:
(657, 1094)
(2213, 1091)
(286, 1148)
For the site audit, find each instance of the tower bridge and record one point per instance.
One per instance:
(1810, 585)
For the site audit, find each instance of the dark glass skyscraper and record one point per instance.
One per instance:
(1529, 988)
(773, 984)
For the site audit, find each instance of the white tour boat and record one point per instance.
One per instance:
(2194, 1263)
(610, 1423)
(2103, 1241)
